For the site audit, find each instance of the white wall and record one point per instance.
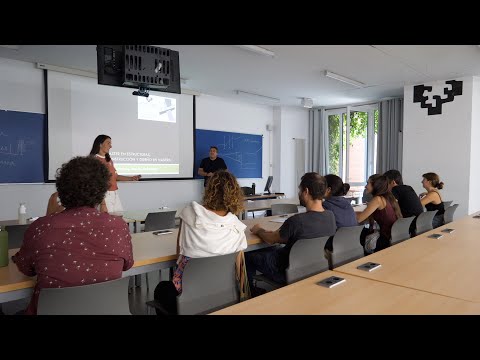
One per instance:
(277, 149)
(22, 89)
(294, 122)
(440, 144)
(474, 188)
(215, 113)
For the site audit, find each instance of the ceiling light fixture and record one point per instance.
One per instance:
(257, 49)
(343, 79)
(253, 96)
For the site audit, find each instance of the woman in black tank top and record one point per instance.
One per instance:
(432, 199)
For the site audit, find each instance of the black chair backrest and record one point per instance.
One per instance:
(401, 230)
(160, 220)
(447, 204)
(103, 298)
(208, 284)
(306, 258)
(448, 216)
(15, 235)
(424, 221)
(346, 245)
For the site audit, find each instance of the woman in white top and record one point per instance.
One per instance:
(211, 229)
(101, 146)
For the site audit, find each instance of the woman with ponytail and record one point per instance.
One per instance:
(432, 199)
(335, 202)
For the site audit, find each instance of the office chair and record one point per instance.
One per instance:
(401, 230)
(208, 284)
(306, 259)
(346, 246)
(103, 298)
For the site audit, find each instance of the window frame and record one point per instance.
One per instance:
(370, 153)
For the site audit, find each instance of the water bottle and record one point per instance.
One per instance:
(3, 246)
(253, 189)
(22, 214)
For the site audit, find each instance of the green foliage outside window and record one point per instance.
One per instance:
(358, 129)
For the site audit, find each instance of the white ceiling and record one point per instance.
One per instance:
(296, 71)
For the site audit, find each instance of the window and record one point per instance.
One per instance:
(352, 143)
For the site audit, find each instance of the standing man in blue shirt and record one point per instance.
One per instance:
(211, 164)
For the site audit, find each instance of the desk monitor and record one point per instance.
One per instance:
(268, 185)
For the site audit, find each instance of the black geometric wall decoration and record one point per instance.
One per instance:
(418, 91)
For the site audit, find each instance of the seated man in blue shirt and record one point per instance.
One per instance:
(316, 222)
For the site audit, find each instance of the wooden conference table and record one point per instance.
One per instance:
(264, 196)
(421, 275)
(137, 216)
(447, 266)
(131, 216)
(356, 295)
(150, 253)
(259, 205)
(16, 222)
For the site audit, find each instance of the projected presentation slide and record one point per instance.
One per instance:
(157, 108)
(150, 136)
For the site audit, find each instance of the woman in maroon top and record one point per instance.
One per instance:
(80, 245)
(383, 208)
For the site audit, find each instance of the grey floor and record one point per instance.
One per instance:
(139, 295)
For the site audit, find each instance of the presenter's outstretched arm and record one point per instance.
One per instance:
(128, 178)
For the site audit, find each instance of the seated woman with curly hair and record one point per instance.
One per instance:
(79, 245)
(210, 229)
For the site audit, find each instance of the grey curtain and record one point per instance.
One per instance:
(390, 137)
(317, 155)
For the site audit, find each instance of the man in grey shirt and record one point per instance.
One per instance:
(316, 222)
